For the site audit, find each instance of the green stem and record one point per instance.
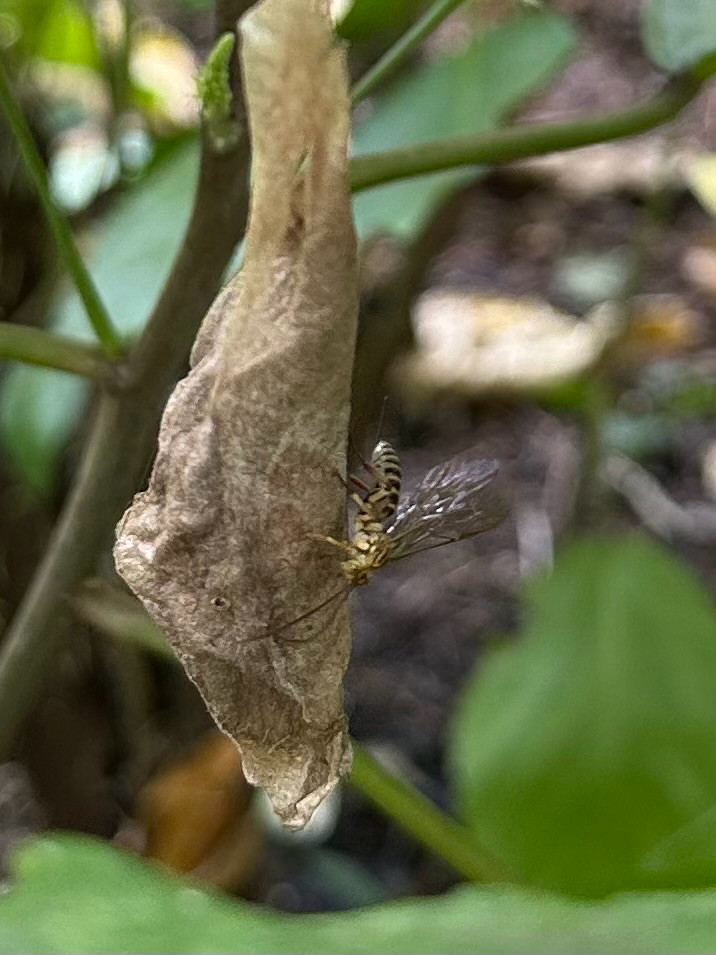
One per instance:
(519, 142)
(119, 615)
(414, 813)
(123, 92)
(37, 347)
(402, 48)
(97, 313)
(590, 493)
(30, 644)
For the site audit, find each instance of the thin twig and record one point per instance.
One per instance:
(521, 142)
(34, 346)
(66, 247)
(694, 521)
(402, 48)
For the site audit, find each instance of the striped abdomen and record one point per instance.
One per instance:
(381, 502)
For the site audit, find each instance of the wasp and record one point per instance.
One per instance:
(453, 501)
(370, 546)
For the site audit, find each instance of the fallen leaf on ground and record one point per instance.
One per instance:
(472, 344)
(195, 814)
(658, 326)
(607, 168)
(701, 177)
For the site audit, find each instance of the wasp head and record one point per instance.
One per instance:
(364, 561)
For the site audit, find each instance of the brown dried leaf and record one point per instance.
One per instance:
(189, 806)
(659, 325)
(217, 546)
(195, 815)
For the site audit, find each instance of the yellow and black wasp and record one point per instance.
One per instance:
(454, 500)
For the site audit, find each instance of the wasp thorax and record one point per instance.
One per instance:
(453, 501)
(366, 557)
(357, 572)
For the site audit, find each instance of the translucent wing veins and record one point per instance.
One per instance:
(453, 501)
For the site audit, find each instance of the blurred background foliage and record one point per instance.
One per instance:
(551, 685)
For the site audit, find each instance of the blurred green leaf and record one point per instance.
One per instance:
(133, 249)
(678, 33)
(687, 851)
(456, 95)
(694, 398)
(38, 409)
(75, 894)
(588, 744)
(61, 31)
(570, 395)
(67, 35)
(367, 17)
(638, 435)
(194, 5)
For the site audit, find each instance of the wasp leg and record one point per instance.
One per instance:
(352, 482)
(370, 468)
(359, 484)
(358, 501)
(343, 592)
(342, 545)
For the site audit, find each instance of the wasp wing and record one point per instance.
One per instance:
(454, 500)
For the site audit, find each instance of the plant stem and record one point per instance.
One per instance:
(119, 615)
(34, 346)
(520, 142)
(414, 813)
(403, 47)
(590, 493)
(96, 311)
(124, 430)
(30, 642)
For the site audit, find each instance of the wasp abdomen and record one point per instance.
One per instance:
(386, 463)
(381, 502)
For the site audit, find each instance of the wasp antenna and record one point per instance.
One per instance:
(308, 613)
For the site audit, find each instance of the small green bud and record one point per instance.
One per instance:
(216, 96)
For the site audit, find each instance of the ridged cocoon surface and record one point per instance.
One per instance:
(217, 546)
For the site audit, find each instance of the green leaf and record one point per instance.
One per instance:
(638, 435)
(61, 31)
(75, 894)
(678, 33)
(457, 95)
(580, 751)
(68, 36)
(368, 17)
(134, 248)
